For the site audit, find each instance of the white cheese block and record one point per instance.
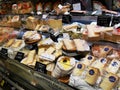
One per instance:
(113, 66)
(46, 56)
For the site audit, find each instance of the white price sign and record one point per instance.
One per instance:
(44, 16)
(77, 6)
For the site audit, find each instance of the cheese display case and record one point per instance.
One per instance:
(52, 48)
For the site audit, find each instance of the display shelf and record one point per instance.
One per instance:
(30, 79)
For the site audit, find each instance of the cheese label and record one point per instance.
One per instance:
(104, 21)
(115, 20)
(40, 67)
(106, 49)
(19, 56)
(103, 61)
(79, 66)
(89, 58)
(91, 72)
(4, 51)
(112, 79)
(114, 64)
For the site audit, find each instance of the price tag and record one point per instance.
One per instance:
(104, 21)
(32, 12)
(77, 6)
(66, 19)
(4, 51)
(60, 6)
(19, 56)
(115, 20)
(38, 12)
(44, 16)
(40, 67)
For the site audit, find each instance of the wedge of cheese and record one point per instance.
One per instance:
(17, 43)
(91, 31)
(9, 43)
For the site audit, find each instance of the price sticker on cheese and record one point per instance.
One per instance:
(77, 6)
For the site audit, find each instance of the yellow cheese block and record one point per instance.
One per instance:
(9, 43)
(55, 24)
(92, 75)
(109, 81)
(17, 43)
(31, 56)
(41, 50)
(78, 70)
(88, 60)
(50, 50)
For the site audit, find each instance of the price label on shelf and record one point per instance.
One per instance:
(44, 16)
(115, 20)
(77, 6)
(4, 51)
(39, 13)
(40, 67)
(19, 56)
(104, 21)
